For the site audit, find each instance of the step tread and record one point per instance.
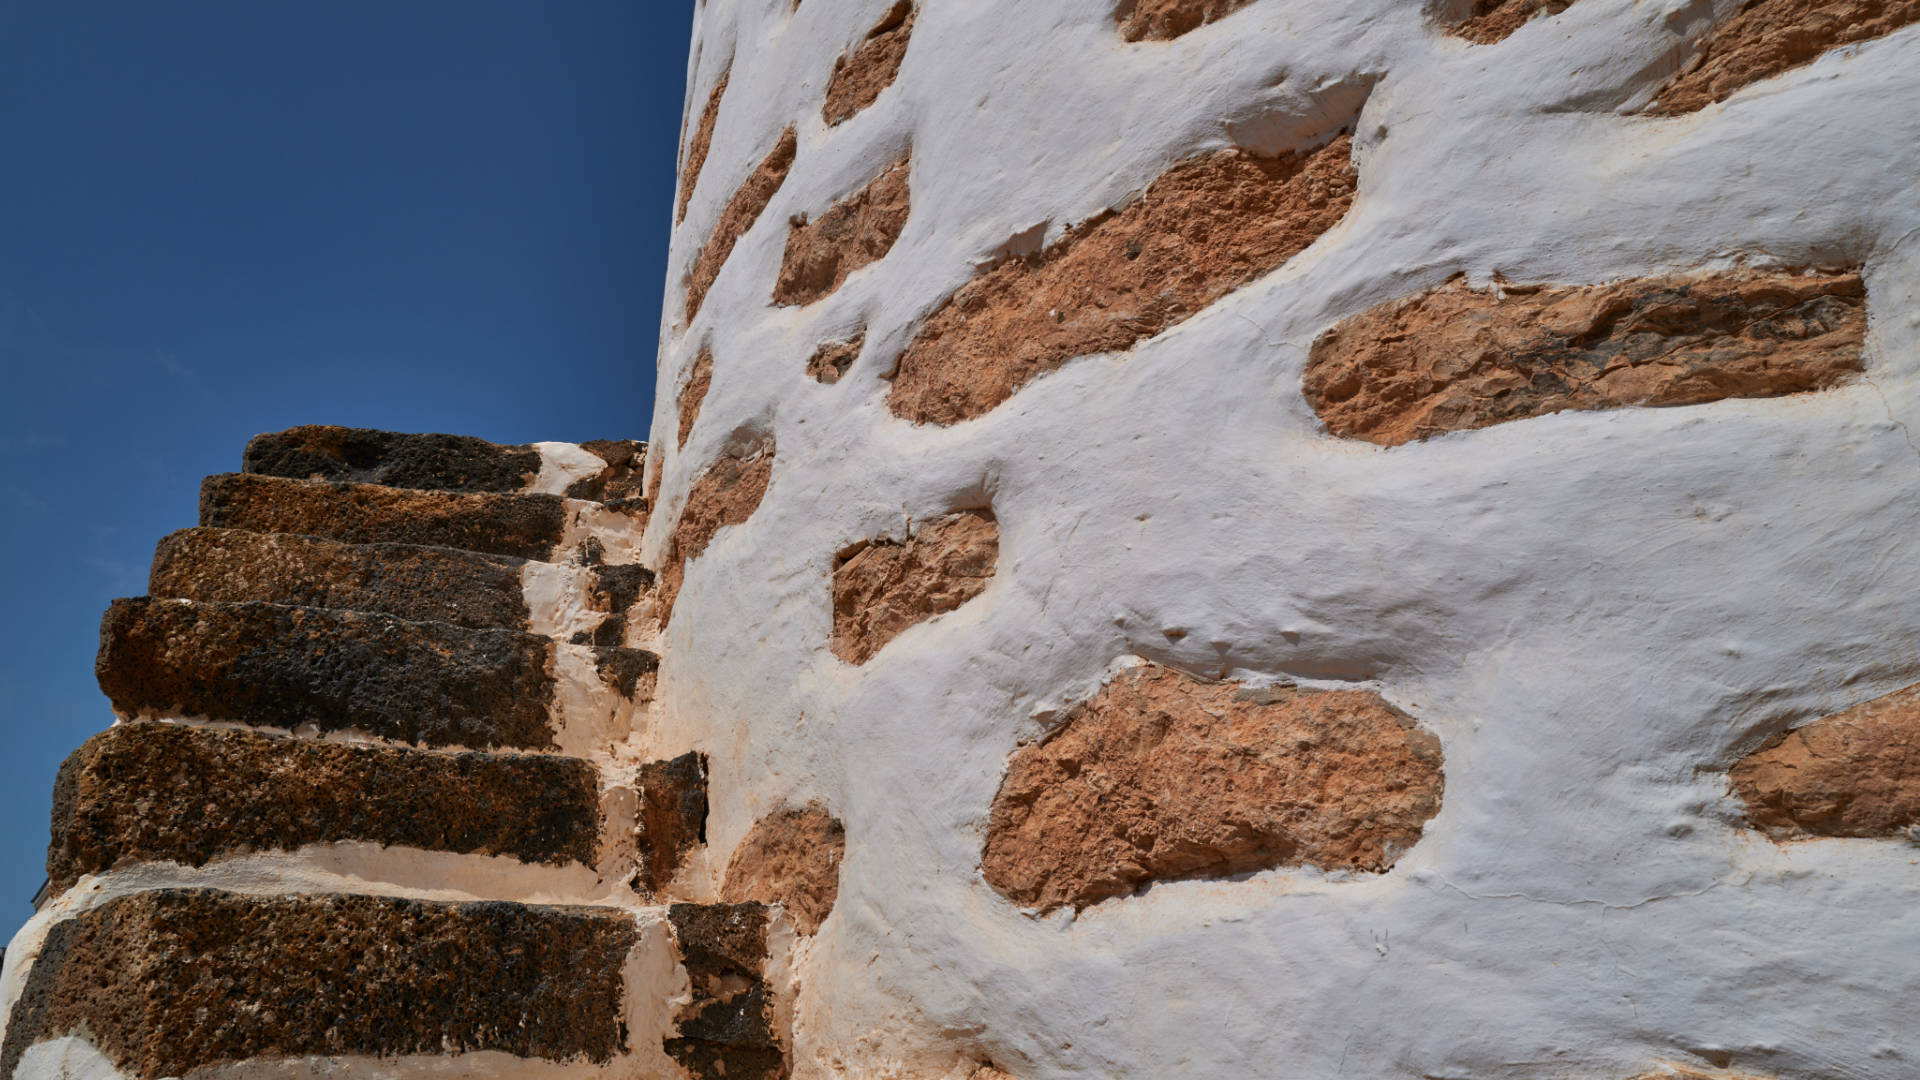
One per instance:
(274, 665)
(434, 462)
(410, 581)
(162, 792)
(171, 980)
(522, 526)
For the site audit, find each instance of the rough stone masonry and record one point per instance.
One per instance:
(1230, 538)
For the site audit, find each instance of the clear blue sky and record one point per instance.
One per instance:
(223, 218)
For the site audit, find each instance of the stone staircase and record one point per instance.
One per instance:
(377, 798)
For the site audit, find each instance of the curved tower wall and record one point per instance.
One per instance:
(1570, 429)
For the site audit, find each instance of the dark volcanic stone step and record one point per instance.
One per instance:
(725, 1031)
(157, 792)
(523, 526)
(440, 584)
(433, 462)
(172, 980)
(366, 456)
(286, 667)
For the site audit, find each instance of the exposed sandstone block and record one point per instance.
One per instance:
(392, 459)
(1768, 37)
(420, 583)
(279, 666)
(149, 792)
(822, 253)
(1164, 20)
(726, 1032)
(741, 212)
(693, 392)
(860, 76)
(832, 359)
(1686, 1073)
(672, 819)
(1855, 773)
(726, 494)
(1204, 228)
(698, 146)
(1456, 358)
(882, 587)
(168, 981)
(1488, 21)
(524, 526)
(790, 857)
(1165, 776)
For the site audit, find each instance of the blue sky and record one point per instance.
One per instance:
(223, 218)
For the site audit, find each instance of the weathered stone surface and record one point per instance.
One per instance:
(726, 1032)
(854, 233)
(614, 590)
(672, 819)
(523, 526)
(790, 857)
(628, 672)
(172, 980)
(882, 587)
(698, 146)
(693, 392)
(618, 483)
(726, 494)
(1855, 773)
(832, 359)
(1768, 37)
(393, 459)
(1456, 358)
(741, 212)
(278, 666)
(1205, 227)
(860, 76)
(1684, 1073)
(420, 583)
(1163, 776)
(1488, 21)
(152, 792)
(1164, 20)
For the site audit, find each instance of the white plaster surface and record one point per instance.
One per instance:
(1596, 612)
(561, 466)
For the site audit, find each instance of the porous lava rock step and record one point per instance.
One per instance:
(523, 526)
(433, 462)
(172, 980)
(726, 1030)
(161, 792)
(277, 666)
(437, 584)
(672, 820)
